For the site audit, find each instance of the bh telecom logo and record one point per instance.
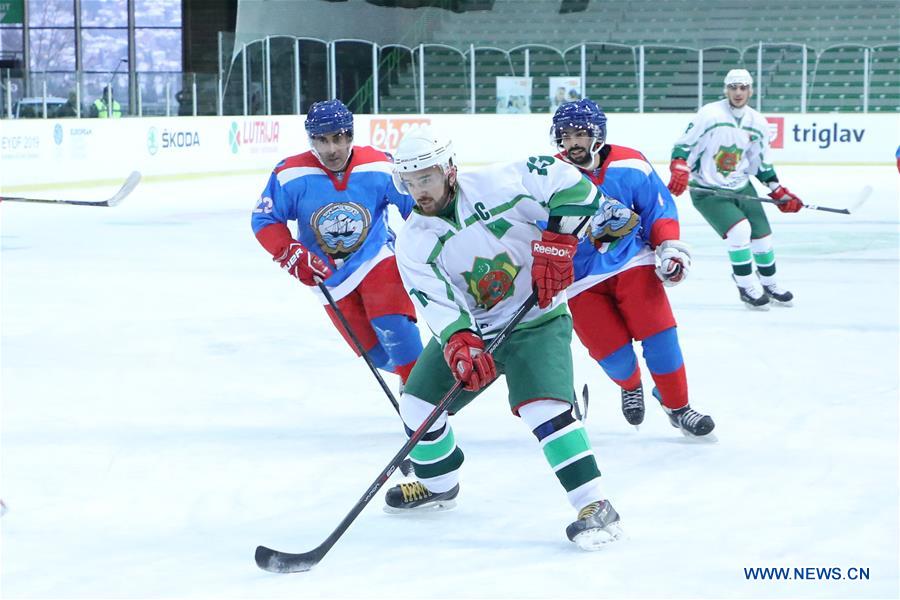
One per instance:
(58, 134)
(385, 134)
(254, 136)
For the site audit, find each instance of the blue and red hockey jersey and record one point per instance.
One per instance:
(627, 180)
(342, 219)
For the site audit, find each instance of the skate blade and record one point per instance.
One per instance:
(592, 540)
(439, 506)
(775, 302)
(763, 307)
(709, 438)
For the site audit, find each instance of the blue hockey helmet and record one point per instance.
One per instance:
(580, 114)
(329, 116)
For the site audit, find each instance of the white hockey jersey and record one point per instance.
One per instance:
(723, 150)
(472, 268)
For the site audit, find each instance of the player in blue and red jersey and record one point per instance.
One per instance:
(339, 195)
(618, 294)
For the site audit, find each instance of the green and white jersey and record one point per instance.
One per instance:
(471, 267)
(723, 150)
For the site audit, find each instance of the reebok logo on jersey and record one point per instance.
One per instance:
(539, 248)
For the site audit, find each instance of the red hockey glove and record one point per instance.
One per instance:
(552, 270)
(678, 182)
(788, 202)
(303, 264)
(468, 361)
(674, 257)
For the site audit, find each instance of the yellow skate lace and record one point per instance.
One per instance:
(589, 511)
(414, 491)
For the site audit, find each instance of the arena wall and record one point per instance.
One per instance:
(38, 153)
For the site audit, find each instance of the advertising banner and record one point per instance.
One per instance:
(564, 89)
(513, 95)
(386, 132)
(67, 150)
(37, 151)
(12, 12)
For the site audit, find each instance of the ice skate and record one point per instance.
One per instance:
(689, 421)
(415, 497)
(752, 296)
(596, 526)
(778, 296)
(633, 405)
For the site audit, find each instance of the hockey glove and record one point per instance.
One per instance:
(552, 270)
(674, 262)
(468, 361)
(303, 264)
(788, 202)
(678, 182)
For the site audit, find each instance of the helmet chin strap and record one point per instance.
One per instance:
(593, 151)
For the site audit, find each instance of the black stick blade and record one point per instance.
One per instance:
(283, 562)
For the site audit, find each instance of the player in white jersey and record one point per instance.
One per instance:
(725, 145)
(469, 255)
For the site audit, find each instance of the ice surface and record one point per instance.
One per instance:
(170, 400)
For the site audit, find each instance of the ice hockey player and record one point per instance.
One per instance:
(470, 254)
(726, 144)
(618, 294)
(339, 195)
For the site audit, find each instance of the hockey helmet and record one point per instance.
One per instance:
(581, 114)
(419, 149)
(738, 77)
(329, 116)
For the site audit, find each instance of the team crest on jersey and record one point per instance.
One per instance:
(491, 280)
(612, 222)
(341, 228)
(727, 159)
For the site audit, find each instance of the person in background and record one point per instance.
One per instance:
(621, 268)
(725, 144)
(338, 194)
(106, 106)
(70, 108)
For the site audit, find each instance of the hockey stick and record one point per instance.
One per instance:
(405, 465)
(357, 343)
(115, 199)
(864, 195)
(284, 562)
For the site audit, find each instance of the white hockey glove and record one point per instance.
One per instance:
(673, 259)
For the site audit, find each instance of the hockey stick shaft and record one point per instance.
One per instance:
(730, 194)
(130, 183)
(362, 351)
(282, 562)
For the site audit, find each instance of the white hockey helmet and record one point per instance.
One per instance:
(739, 77)
(419, 149)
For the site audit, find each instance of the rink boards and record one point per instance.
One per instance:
(40, 152)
